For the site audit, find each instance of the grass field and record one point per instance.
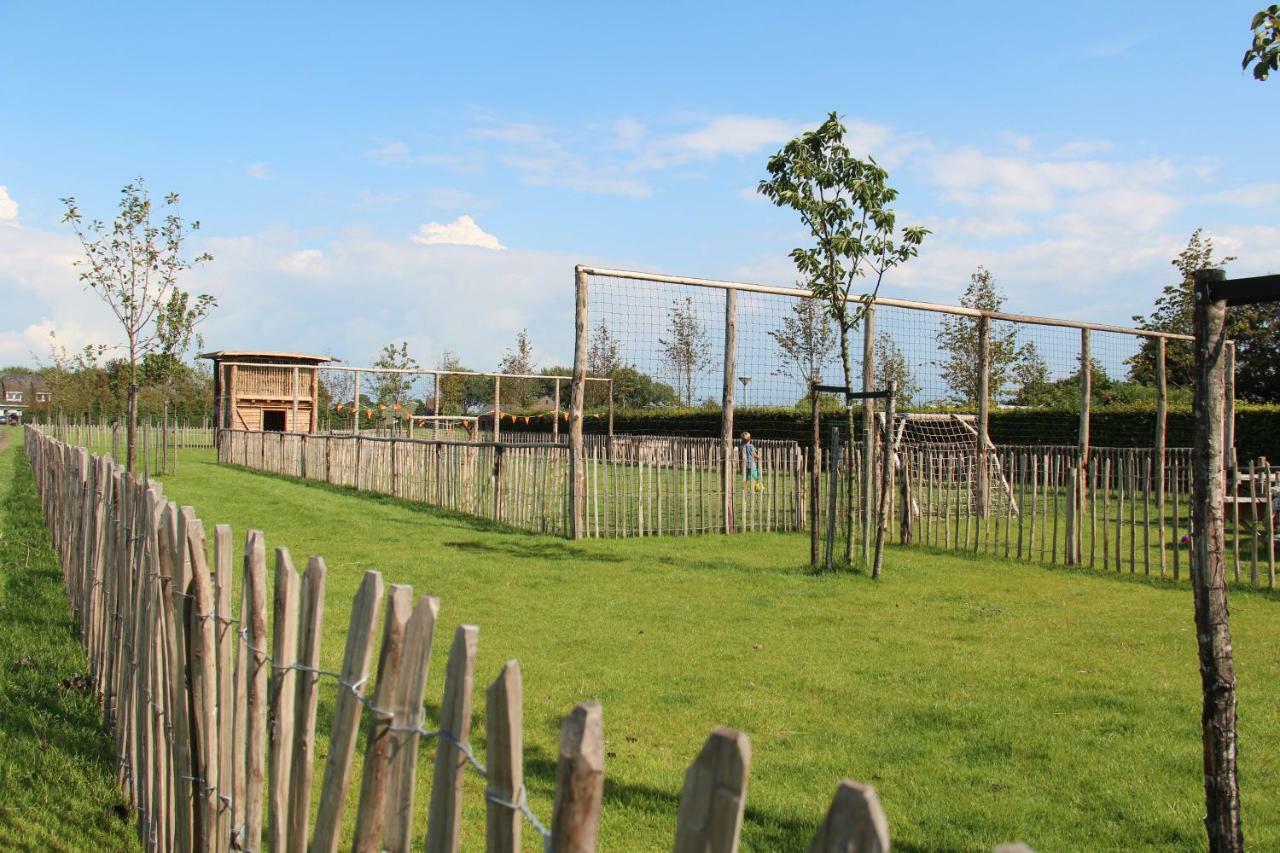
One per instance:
(987, 700)
(57, 765)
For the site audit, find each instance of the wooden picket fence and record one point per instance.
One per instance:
(213, 710)
(524, 486)
(637, 485)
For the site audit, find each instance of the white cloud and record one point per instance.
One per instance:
(8, 207)
(303, 262)
(258, 171)
(1255, 195)
(462, 231)
(734, 135)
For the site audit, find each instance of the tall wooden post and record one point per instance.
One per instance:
(984, 409)
(297, 378)
(555, 417)
(314, 423)
(577, 467)
(357, 407)
(815, 478)
(497, 408)
(1162, 413)
(1208, 571)
(435, 409)
(868, 443)
(1229, 413)
(1082, 439)
(726, 415)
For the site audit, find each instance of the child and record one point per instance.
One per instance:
(750, 468)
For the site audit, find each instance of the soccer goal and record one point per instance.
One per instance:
(948, 443)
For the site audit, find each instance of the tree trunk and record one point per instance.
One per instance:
(131, 428)
(1208, 577)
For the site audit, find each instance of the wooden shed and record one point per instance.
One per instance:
(264, 390)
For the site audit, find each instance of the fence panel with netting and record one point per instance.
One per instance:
(1001, 442)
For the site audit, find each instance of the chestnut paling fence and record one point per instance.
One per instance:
(213, 709)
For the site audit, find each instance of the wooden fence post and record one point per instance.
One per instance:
(202, 663)
(444, 817)
(984, 409)
(302, 770)
(1162, 409)
(726, 412)
(575, 820)
(504, 733)
(868, 445)
(854, 821)
(377, 754)
(397, 835)
(346, 714)
(1208, 571)
(715, 795)
(577, 460)
(284, 652)
(253, 619)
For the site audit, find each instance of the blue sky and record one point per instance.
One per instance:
(337, 155)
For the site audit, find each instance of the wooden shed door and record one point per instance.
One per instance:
(273, 420)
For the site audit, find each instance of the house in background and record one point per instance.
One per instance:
(21, 393)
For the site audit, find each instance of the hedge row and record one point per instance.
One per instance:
(1257, 427)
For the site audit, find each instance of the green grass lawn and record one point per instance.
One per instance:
(57, 765)
(987, 700)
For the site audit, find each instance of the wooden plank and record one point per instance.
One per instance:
(302, 760)
(284, 653)
(984, 410)
(377, 754)
(254, 617)
(346, 714)
(715, 795)
(398, 827)
(854, 822)
(1270, 491)
(1255, 525)
(224, 622)
(730, 376)
(444, 815)
(203, 672)
(575, 818)
(504, 737)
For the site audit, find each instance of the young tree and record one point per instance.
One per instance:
(1254, 328)
(806, 340)
(393, 389)
(958, 339)
(519, 359)
(134, 265)
(1031, 379)
(844, 202)
(1264, 51)
(892, 366)
(685, 348)
(604, 355)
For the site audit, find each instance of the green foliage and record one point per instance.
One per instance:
(134, 265)
(1254, 328)
(959, 340)
(806, 341)
(392, 389)
(892, 366)
(844, 201)
(1264, 51)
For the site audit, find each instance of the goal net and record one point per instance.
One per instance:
(943, 449)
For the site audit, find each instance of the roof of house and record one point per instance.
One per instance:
(29, 383)
(250, 355)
